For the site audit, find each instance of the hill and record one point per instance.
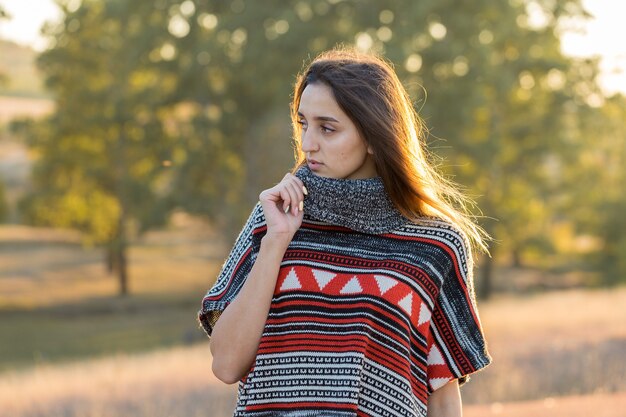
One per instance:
(19, 70)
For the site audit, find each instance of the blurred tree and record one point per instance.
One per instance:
(185, 103)
(613, 209)
(104, 155)
(598, 175)
(237, 65)
(497, 86)
(498, 89)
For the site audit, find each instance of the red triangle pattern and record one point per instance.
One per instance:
(346, 285)
(437, 371)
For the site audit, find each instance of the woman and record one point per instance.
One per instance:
(349, 290)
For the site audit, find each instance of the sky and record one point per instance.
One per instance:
(602, 36)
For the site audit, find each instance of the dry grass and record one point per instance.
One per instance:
(561, 343)
(598, 405)
(175, 382)
(536, 341)
(58, 303)
(559, 319)
(556, 354)
(46, 267)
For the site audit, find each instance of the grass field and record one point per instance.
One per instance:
(555, 344)
(178, 382)
(57, 302)
(70, 347)
(596, 405)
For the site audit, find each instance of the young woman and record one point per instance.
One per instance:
(349, 290)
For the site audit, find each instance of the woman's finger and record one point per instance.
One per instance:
(298, 196)
(285, 197)
(290, 184)
(293, 196)
(288, 194)
(300, 185)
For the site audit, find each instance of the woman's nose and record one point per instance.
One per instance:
(309, 142)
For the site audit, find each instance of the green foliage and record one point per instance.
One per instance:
(101, 155)
(237, 66)
(496, 87)
(82, 207)
(599, 175)
(171, 103)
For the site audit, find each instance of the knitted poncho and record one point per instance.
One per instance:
(370, 314)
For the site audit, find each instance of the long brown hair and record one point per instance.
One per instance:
(368, 90)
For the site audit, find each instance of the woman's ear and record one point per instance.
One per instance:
(370, 150)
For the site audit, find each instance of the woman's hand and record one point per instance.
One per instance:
(282, 206)
(236, 335)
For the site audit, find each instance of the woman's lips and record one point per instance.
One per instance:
(313, 164)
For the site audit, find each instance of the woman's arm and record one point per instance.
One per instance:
(445, 401)
(235, 337)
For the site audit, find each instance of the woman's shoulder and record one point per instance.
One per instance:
(441, 230)
(438, 224)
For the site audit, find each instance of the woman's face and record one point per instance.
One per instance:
(331, 142)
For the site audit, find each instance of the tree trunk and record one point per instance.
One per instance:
(122, 270)
(117, 259)
(117, 262)
(109, 260)
(516, 258)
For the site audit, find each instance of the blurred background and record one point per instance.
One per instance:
(136, 135)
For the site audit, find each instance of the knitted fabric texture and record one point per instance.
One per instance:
(361, 205)
(360, 324)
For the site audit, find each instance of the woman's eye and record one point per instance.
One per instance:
(302, 123)
(327, 129)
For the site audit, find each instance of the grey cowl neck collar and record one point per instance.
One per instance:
(361, 205)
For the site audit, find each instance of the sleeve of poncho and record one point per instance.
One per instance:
(234, 271)
(456, 343)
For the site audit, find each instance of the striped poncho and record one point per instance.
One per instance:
(370, 314)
